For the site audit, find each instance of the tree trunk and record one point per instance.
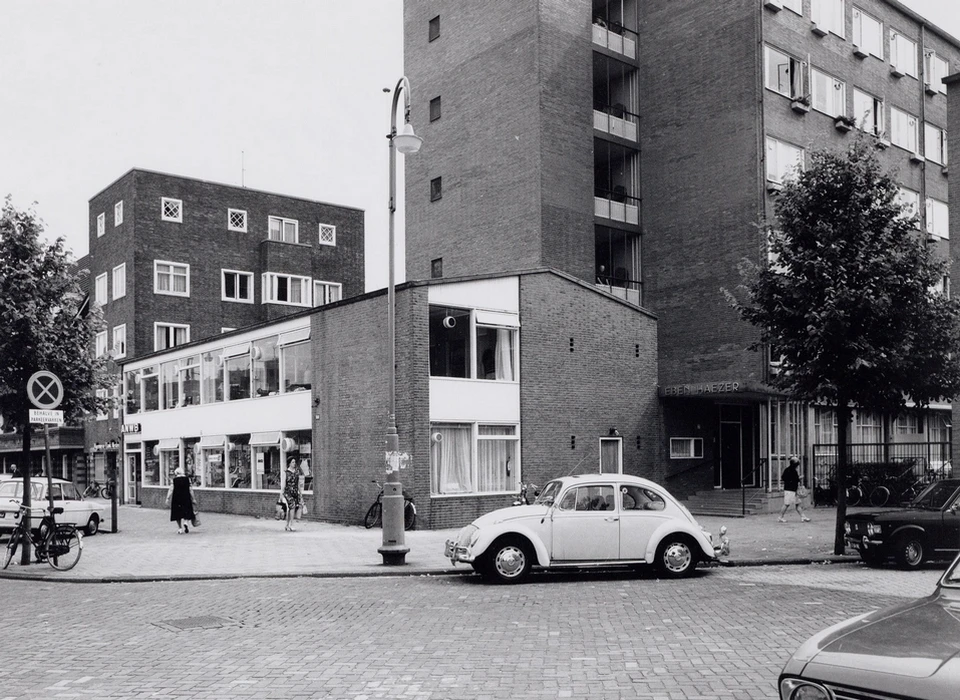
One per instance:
(843, 424)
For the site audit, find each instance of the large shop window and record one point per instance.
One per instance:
(211, 449)
(296, 363)
(169, 451)
(474, 458)
(170, 384)
(237, 363)
(484, 349)
(151, 464)
(211, 377)
(266, 366)
(132, 385)
(266, 460)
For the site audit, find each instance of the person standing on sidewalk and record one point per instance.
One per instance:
(180, 500)
(291, 490)
(791, 484)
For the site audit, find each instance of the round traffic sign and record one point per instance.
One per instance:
(44, 390)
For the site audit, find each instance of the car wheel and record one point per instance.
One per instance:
(909, 552)
(93, 525)
(676, 557)
(508, 561)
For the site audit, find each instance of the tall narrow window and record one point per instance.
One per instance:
(938, 218)
(903, 54)
(935, 69)
(867, 33)
(119, 347)
(120, 280)
(100, 289)
(868, 112)
(904, 130)
(433, 28)
(909, 200)
(435, 109)
(101, 344)
(101, 224)
(118, 213)
(935, 143)
(436, 189)
(828, 15)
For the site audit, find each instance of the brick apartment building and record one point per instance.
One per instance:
(636, 146)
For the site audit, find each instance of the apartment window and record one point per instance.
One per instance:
(328, 234)
(285, 289)
(436, 189)
(100, 289)
(907, 424)
(935, 69)
(237, 286)
(828, 16)
(171, 278)
(436, 268)
(782, 73)
(286, 230)
(326, 292)
(910, 201)
(120, 340)
(686, 448)
(171, 209)
(118, 213)
(434, 109)
(868, 112)
(237, 220)
(867, 33)
(934, 143)
(169, 335)
(783, 160)
(488, 350)
(101, 224)
(120, 280)
(938, 218)
(433, 28)
(903, 54)
(474, 458)
(829, 94)
(100, 344)
(904, 130)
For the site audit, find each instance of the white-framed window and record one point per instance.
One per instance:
(171, 209)
(100, 289)
(934, 143)
(285, 289)
(828, 15)
(237, 220)
(867, 33)
(942, 286)
(237, 286)
(935, 69)
(100, 341)
(102, 394)
(829, 94)
(904, 130)
(120, 280)
(784, 160)
(686, 448)
(903, 54)
(326, 292)
(910, 201)
(782, 73)
(474, 458)
(169, 335)
(328, 234)
(824, 428)
(476, 344)
(868, 112)
(280, 229)
(119, 346)
(171, 278)
(101, 224)
(867, 427)
(118, 213)
(938, 218)
(907, 424)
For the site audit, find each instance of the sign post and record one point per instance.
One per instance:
(45, 391)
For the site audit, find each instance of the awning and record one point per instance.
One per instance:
(212, 441)
(497, 318)
(236, 350)
(169, 444)
(271, 438)
(294, 336)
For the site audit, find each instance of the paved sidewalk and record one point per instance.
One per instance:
(148, 548)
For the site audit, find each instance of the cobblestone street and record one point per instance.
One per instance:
(723, 634)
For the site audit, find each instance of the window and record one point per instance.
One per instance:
(449, 342)
(868, 427)
(436, 189)
(326, 292)
(101, 224)
(868, 112)
(100, 289)
(120, 280)
(237, 220)
(150, 386)
(783, 160)
(171, 209)
(295, 361)
(328, 234)
(101, 344)
(587, 498)
(434, 109)
(211, 378)
(486, 349)
(436, 268)
(131, 381)
(938, 218)
(910, 201)
(686, 448)
(101, 397)
(118, 213)
(496, 353)
(904, 130)
(285, 289)
(782, 73)
(934, 143)
(169, 335)
(238, 376)
(119, 346)
(829, 94)
(793, 5)
(433, 28)
(828, 15)
(236, 286)
(867, 33)
(474, 458)
(189, 371)
(907, 424)
(266, 366)
(169, 385)
(171, 278)
(286, 230)
(903, 54)
(935, 69)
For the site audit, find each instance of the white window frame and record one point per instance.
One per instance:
(686, 448)
(827, 93)
(323, 292)
(829, 15)
(935, 69)
(934, 143)
(119, 281)
(174, 207)
(909, 199)
(119, 339)
(238, 274)
(171, 274)
(100, 344)
(901, 124)
(101, 224)
(866, 25)
(100, 294)
(282, 221)
(772, 79)
(903, 53)
(331, 232)
(269, 286)
(242, 228)
(118, 213)
(158, 325)
(938, 218)
(474, 466)
(871, 119)
(778, 171)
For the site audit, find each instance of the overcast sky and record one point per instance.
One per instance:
(92, 88)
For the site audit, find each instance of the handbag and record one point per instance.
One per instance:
(196, 521)
(802, 491)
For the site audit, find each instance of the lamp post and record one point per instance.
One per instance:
(393, 549)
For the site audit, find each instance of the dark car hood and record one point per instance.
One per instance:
(887, 514)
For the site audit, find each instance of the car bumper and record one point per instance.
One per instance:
(457, 553)
(863, 543)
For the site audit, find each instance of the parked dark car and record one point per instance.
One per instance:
(908, 652)
(928, 528)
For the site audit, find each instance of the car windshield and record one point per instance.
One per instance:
(549, 494)
(936, 495)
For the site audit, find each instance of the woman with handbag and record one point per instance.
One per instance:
(791, 486)
(291, 489)
(181, 501)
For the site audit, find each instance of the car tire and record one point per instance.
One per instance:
(93, 526)
(910, 551)
(508, 560)
(677, 557)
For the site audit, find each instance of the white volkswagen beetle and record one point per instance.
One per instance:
(588, 520)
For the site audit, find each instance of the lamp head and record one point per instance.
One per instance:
(406, 141)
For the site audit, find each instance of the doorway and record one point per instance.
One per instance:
(133, 478)
(737, 447)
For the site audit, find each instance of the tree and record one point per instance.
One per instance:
(851, 300)
(41, 300)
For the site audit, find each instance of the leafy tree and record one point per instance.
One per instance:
(850, 300)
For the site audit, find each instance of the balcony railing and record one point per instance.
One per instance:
(622, 288)
(615, 37)
(616, 205)
(616, 121)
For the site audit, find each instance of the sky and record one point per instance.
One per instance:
(278, 95)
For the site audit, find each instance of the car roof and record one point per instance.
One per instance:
(606, 478)
(37, 479)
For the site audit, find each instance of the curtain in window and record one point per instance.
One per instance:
(450, 459)
(505, 354)
(496, 460)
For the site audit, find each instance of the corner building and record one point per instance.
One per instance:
(637, 145)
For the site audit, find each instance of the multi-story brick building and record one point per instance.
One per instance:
(638, 145)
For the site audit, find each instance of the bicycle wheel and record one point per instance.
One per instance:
(879, 496)
(11, 549)
(64, 548)
(105, 493)
(374, 515)
(854, 494)
(409, 516)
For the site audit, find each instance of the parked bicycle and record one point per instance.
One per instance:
(97, 490)
(528, 494)
(374, 516)
(58, 545)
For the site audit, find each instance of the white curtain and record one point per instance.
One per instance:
(450, 459)
(497, 461)
(505, 354)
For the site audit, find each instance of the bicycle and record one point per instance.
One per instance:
(58, 545)
(96, 489)
(374, 514)
(523, 498)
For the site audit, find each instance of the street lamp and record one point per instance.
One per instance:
(393, 549)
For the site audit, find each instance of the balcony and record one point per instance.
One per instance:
(628, 290)
(616, 206)
(613, 120)
(615, 38)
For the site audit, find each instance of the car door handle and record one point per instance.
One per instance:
(611, 520)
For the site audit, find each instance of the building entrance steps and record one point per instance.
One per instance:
(732, 503)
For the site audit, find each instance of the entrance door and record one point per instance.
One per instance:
(737, 446)
(731, 455)
(133, 477)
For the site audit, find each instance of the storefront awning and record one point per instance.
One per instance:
(236, 350)
(212, 441)
(271, 438)
(169, 444)
(294, 336)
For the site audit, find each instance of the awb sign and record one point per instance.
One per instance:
(46, 416)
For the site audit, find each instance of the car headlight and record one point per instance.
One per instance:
(797, 689)
(846, 527)
(873, 529)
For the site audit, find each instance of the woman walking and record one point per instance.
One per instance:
(180, 500)
(290, 487)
